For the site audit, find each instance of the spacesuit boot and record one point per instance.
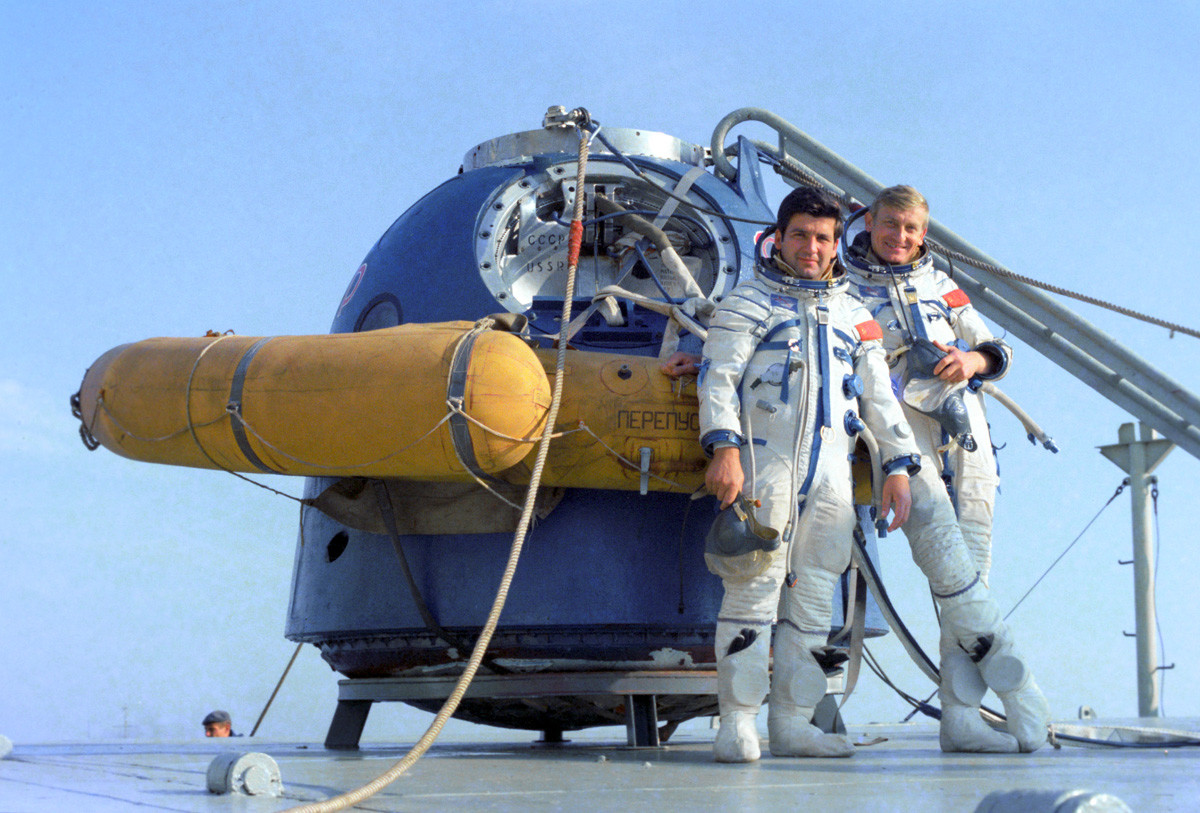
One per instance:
(742, 682)
(960, 692)
(972, 620)
(797, 684)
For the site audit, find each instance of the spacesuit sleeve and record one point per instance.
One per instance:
(973, 331)
(882, 413)
(732, 338)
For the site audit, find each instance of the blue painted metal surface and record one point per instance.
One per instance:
(608, 580)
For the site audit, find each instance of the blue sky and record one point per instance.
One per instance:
(175, 167)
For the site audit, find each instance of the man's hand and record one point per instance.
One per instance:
(958, 365)
(724, 477)
(896, 497)
(680, 364)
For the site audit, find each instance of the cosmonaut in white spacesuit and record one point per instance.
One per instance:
(791, 366)
(937, 344)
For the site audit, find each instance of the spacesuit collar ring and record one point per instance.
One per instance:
(854, 255)
(768, 273)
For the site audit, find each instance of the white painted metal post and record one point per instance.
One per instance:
(1138, 458)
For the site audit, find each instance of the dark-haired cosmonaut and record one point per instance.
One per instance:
(792, 368)
(937, 345)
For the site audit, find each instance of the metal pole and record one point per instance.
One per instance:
(1143, 579)
(1138, 458)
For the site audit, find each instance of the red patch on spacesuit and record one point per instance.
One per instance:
(869, 331)
(956, 298)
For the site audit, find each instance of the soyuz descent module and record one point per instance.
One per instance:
(415, 420)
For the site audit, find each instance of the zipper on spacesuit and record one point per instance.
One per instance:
(798, 433)
(823, 351)
(824, 407)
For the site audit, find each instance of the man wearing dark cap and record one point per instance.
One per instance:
(218, 724)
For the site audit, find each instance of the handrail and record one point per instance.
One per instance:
(1052, 329)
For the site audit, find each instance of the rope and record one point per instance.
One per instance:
(793, 170)
(1055, 289)
(271, 699)
(455, 405)
(1162, 647)
(288, 668)
(191, 427)
(187, 398)
(346, 800)
(101, 404)
(1116, 494)
(85, 433)
(584, 427)
(250, 428)
(388, 513)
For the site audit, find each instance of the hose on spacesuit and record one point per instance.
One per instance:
(1032, 430)
(345, 800)
(1142, 736)
(866, 568)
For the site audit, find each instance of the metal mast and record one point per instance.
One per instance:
(1138, 458)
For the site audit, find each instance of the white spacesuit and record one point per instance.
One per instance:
(790, 368)
(915, 301)
(941, 313)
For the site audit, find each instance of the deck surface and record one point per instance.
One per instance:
(906, 771)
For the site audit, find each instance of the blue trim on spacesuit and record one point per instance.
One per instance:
(782, 326)
(732, 295)
(847, 338)
(974, 582)
(780, 278)
(715, 436)
(787, 374)
(941, 306)
(823, 350)
(823, 398)
(917, 325)
(910, 462)
(998, 353)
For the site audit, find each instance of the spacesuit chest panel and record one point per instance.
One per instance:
(779, 371)
(908, 303)
(792, 395)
